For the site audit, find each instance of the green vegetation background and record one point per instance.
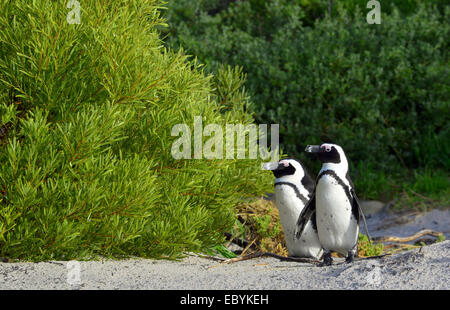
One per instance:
(86, 111)
(380, 91)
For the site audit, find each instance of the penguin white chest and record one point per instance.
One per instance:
(337, 227)
(290, 206)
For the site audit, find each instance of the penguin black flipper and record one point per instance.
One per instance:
(307, 213)
(356, 207)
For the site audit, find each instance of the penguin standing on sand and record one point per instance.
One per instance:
(293, 189)
(334, 203)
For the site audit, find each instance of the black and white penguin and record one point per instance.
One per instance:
(293, 189)
(334, 203)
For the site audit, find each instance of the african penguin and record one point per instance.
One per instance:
(335, 204)
(293, 189)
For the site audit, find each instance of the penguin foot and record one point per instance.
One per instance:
(349, 258)
(327, 260)
(351, 254)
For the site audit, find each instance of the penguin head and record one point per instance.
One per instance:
(332, 157)
(292, 171)
(285, 167)
(327, 153)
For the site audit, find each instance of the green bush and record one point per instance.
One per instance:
(380, 91)
(86, 112)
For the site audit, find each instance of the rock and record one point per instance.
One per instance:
(372, 206)
(234, 248)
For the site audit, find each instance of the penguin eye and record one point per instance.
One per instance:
(327, 148)
(284, 163)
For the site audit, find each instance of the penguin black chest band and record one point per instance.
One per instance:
(339, 180)
(297, 192)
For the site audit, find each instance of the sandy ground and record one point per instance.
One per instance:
(424, 268)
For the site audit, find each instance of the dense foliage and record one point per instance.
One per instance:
(380, 91)
(86, 112)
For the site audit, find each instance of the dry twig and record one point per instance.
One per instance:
(248, 247)
(268, 254)
(409, 238)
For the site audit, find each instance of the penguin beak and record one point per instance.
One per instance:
(270, 166)
(313, 149)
